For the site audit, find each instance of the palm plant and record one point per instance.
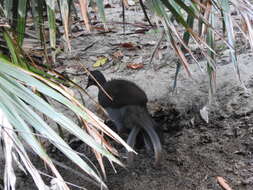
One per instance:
(23, 83)
(200, 20)
(25, 90)
(205, 14)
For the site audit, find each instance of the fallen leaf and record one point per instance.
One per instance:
(129, 45)
(108, 5)
(101, 29)
(117, 55)
(101, 61)
(135, 66)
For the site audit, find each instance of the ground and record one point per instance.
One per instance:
(195, 152)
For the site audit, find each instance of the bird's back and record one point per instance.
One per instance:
(123, 93)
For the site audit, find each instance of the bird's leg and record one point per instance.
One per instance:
(131, 140)
(116, 117)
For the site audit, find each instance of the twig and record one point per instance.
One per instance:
(123, 17)
(78, 86)
(223, 183)
(97, 83)
(157, 45)
(89, 46)
(145, 13)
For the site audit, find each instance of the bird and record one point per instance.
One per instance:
(126, 104)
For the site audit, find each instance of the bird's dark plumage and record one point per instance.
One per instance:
(127, 108)
(122, 92)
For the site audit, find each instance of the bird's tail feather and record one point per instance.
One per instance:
(137, 120)
(131, 142)
(149, 128)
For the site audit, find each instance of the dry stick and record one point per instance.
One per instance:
(87, 71)
(122, 142)
(223, 183)
(145, 13)
(157, 45)
(49, 63)
(59, 74)
(123, 17)
(89, 46)
(97, 82)
(80, 88)
(140, 25)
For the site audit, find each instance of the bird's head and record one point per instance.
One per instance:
(94, 78)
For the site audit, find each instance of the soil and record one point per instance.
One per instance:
(195, 152)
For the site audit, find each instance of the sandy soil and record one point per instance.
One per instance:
(194, 152)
